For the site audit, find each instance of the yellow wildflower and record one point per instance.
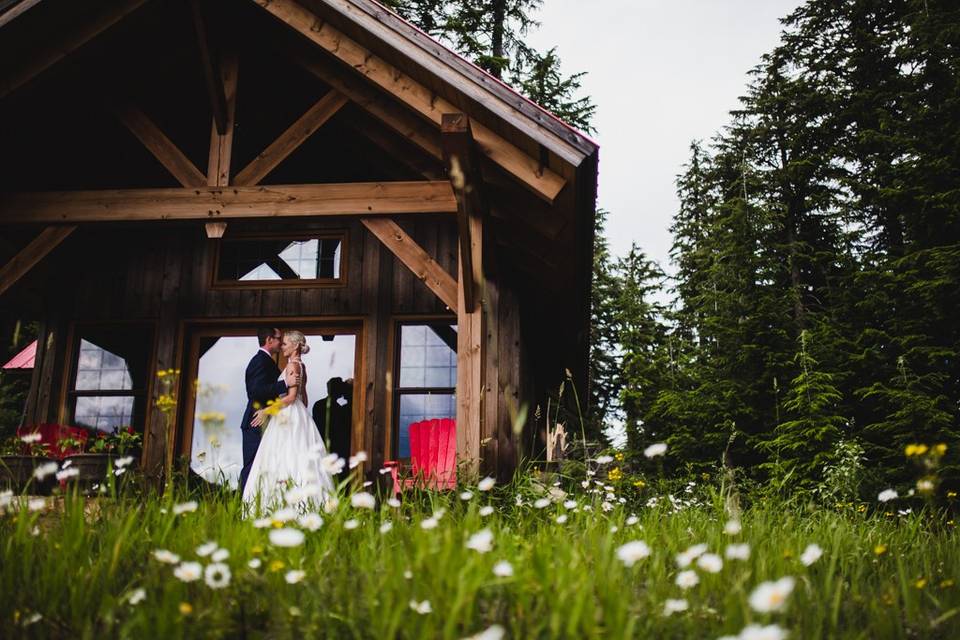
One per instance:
(186, 608)
(940, 449)
(277, 565)
(862, 508)
(615, 474)
(916, 450)
(920, 583)
(946, 584)
(618, 457)
(639, 484)
(951, 494)
(787, 554)
(880, 549)
(256, 549)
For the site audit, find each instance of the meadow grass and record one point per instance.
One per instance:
(70, 568)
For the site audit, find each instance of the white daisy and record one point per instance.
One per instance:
(542, 503)
(811, 554)
(136, 596)
(332, 463)
(31, 438)
(286, 537)
(423, 608)
(466, 495)
(655, 450)
(310, 521)
(386, 526)
(294, 576)
(632, 520)
(481, 541)
(494, 632)
(351, 524)
(188, 571)
(166, 557)
(64, 474)
(604, 459)
(220, 555)
(124, 461)
(672, 606)
(710, 562)
(503, 569)
(759, 632)
(486, 484)
(36, 504)
(393, 502)
(206, 549)
(44, 470)
(738, 551)
(184, 507)
(429, 523)
(486, 510)
(732, 527)
(254, 563)
(687, 579)
(887, 495)
(217, 575)
(263, 523)
(562, 518)
(357, 459)
(570, 504)
(363, 500)
(287, 514)
(771, 596)
(630, 552)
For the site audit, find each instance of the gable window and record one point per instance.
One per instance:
(427, 380)
(110, 374)
(278, 260)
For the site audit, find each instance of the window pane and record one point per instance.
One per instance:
(267, 259)
(417, 407)
(106, 413)
(428, 356)
(112, 359)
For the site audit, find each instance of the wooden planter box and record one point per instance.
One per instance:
(93, 467)
(16, 473)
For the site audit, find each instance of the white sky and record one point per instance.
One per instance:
(662, 73)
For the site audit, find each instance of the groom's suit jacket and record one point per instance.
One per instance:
(262, 384)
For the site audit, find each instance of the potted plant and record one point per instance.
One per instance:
(103, 452)
(20, 457)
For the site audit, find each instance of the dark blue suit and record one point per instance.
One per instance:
(262, 386)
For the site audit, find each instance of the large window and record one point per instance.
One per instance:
(109, 385)
(427, 382)
(219, 358)
(298, 261)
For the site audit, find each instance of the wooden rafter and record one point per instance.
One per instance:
(214, 203)
(48, 240)
(221, 142)
(169, 155)
(211, 70)
(17, 10)
(544, 182)
(411, 254)
(75, 38)
(298, 133)
(463, 169)
(395, 147)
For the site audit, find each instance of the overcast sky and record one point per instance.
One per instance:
(662, 73)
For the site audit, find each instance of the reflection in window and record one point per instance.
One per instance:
(428, 377)
(110, 378)
(256, 260)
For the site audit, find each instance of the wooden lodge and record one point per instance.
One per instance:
(179, 173)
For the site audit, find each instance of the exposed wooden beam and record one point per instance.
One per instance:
(76, 37)
(211, 70)
(160, 146)
(217, 204)
(411, 254)
(221, 141)
(48, 240)
(544, 182)
(463, 168)
(288, 141)
(17, 10)
(367, 98)
(221, 145)
(471, 354)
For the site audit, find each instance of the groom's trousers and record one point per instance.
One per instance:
(251, 442)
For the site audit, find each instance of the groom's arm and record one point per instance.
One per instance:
(260, 384)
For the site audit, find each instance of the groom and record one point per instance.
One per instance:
(262, 386)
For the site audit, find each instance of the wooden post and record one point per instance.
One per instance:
(471, 354)
(221, 145)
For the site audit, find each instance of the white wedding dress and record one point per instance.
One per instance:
(288, 469)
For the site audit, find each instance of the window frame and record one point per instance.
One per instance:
(395, 391)
(69, 394)
(246, 236)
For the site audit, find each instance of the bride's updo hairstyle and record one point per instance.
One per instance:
(296, 337)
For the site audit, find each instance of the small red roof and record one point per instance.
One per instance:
(24, 359)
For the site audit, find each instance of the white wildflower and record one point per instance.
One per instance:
(136, 596)
(357, 459)
(217, 575)
(466, 495)
(363, 500)
(206, 549)
(759, 632)
(330, 504)
(393, 502)
(64, 474)
(771, 596)
(294, 576)
(687, 579)
(31, 438)
(254, 563)
(486, 484)
(351, 524)
(732, 527)
(486, 510)
(262, 523)
(386, 526)
(632, 520)
(332, 463)
(630, 552)
(811, 554)
(710, 562)
(123, 462)
(45, 470)
(481, 541)
(655, 450)
(887, 495)
(167, 557)
(604, 459)
(310, 521)
(287, 514)
(570, 504)
(503, 569)
(542, 503)
(220, 555)
(672, 606)
(738, 551)
(188, 571)
(494, 632)
(429, 523)
(423, 608)
(36, 504)
(286, 537)
(185, 507)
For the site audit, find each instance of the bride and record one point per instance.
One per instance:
(288, 466)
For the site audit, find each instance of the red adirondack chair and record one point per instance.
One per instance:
(433, 456)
